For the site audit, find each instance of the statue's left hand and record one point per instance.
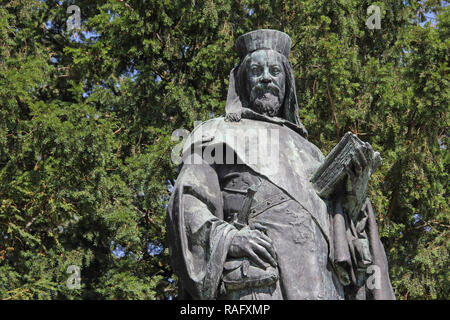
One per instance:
(363, 162)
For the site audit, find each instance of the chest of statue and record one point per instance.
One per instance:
(297, 239)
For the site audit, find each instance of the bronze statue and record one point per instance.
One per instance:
(257, 212)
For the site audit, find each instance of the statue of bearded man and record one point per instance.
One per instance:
(245, 221)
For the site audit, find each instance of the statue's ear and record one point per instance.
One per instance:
(233, 107)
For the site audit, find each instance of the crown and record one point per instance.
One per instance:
(263, 39)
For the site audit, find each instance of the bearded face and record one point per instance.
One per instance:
(266, 82)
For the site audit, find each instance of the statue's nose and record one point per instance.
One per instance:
(266, 77)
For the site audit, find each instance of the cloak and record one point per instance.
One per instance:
(198, 236)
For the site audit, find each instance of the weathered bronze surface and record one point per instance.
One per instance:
(257, 212)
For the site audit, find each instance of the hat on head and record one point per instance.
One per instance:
(236, 106)
(263, 39)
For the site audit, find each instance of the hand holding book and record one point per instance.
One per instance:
(346, 172)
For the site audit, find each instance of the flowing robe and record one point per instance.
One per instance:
(199, 237)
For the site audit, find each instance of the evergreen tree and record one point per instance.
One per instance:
(87, 116)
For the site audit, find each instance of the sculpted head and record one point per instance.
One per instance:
(262, 74)
(266, 79)
(263, 81)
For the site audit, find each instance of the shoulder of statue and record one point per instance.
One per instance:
(204, 132)
(215, 131)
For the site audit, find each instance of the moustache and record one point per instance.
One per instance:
(262, 89)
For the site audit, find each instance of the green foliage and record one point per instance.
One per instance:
(86, 120)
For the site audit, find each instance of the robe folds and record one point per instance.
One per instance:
(199, 237)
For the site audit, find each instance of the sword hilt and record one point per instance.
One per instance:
(245, 211)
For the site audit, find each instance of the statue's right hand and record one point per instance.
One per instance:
(254, 245)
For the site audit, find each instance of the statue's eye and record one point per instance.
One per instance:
(275, 70)
(256, 70)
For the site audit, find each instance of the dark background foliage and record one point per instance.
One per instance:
(86, 120)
